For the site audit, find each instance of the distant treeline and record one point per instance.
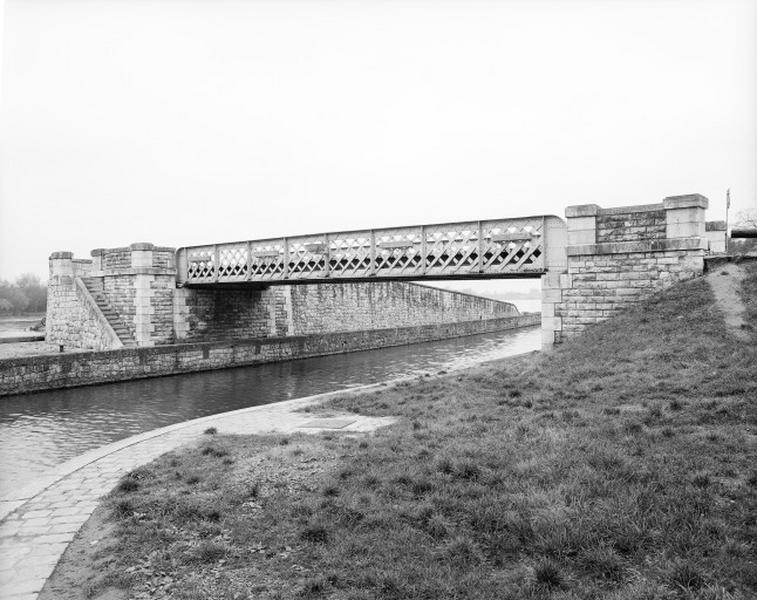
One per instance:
(27, 294)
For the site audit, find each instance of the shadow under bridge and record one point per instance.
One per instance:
(499, 248)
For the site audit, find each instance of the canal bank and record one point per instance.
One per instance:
(54, 371)
(38, 521)
(40, 431)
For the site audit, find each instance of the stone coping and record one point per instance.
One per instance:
(138, 246)
(669, 203)
(692, 243)
(134, 271)
(685, 201)
(593, 210)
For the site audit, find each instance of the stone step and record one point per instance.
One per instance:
(110, 314)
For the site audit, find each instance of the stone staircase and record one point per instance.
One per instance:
(94, 287)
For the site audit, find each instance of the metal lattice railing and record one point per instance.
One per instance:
(493, 248)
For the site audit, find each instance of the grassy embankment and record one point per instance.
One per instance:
(622, 465)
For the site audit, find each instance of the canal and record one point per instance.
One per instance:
(39, 431)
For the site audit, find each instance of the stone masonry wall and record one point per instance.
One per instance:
(73, 319)
(616, 257)
(227, 313)
(376, 305)
(139, 282)
(120, 292)
(20, 375)
(216, 314)
(603, 284)
(161, 309)
(625, 225)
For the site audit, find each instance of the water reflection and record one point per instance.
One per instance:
(41, 430)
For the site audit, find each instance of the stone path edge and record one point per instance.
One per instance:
(11, 502)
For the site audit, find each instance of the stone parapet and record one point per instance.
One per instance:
(619, 256)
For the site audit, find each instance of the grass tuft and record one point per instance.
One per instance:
(685, 576)
(123, 509)
(209, 552)
(315, 533)
(128, 484)
(547, 574)
(214, 451)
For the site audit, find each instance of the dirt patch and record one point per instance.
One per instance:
(725, 284)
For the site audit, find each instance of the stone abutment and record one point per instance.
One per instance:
(617, 257)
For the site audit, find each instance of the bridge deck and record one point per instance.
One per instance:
(472, 250)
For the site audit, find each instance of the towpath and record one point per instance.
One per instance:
(725, 283)
(38, 522)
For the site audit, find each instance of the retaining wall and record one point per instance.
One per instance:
(382, 304)
(53, 371)
(224, 313)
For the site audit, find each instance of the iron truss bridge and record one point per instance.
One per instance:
(497, 248)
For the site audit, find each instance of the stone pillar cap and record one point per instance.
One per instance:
(142, 246)
(61, 254)
(685, 201)
(582, 210)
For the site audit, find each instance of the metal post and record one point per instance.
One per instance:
(249, 260)
(216, 263)
(424, 258)
(480, 248)
(373, 253)
(544, 252)
(327, 257)
(285, 272)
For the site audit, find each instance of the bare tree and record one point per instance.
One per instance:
(745, 219)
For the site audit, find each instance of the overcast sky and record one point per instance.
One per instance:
(182, 122)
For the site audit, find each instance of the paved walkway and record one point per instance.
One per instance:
(38, 522)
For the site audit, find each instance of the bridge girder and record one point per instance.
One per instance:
(492, 249)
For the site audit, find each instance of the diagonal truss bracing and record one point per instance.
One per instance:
(485, 249)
